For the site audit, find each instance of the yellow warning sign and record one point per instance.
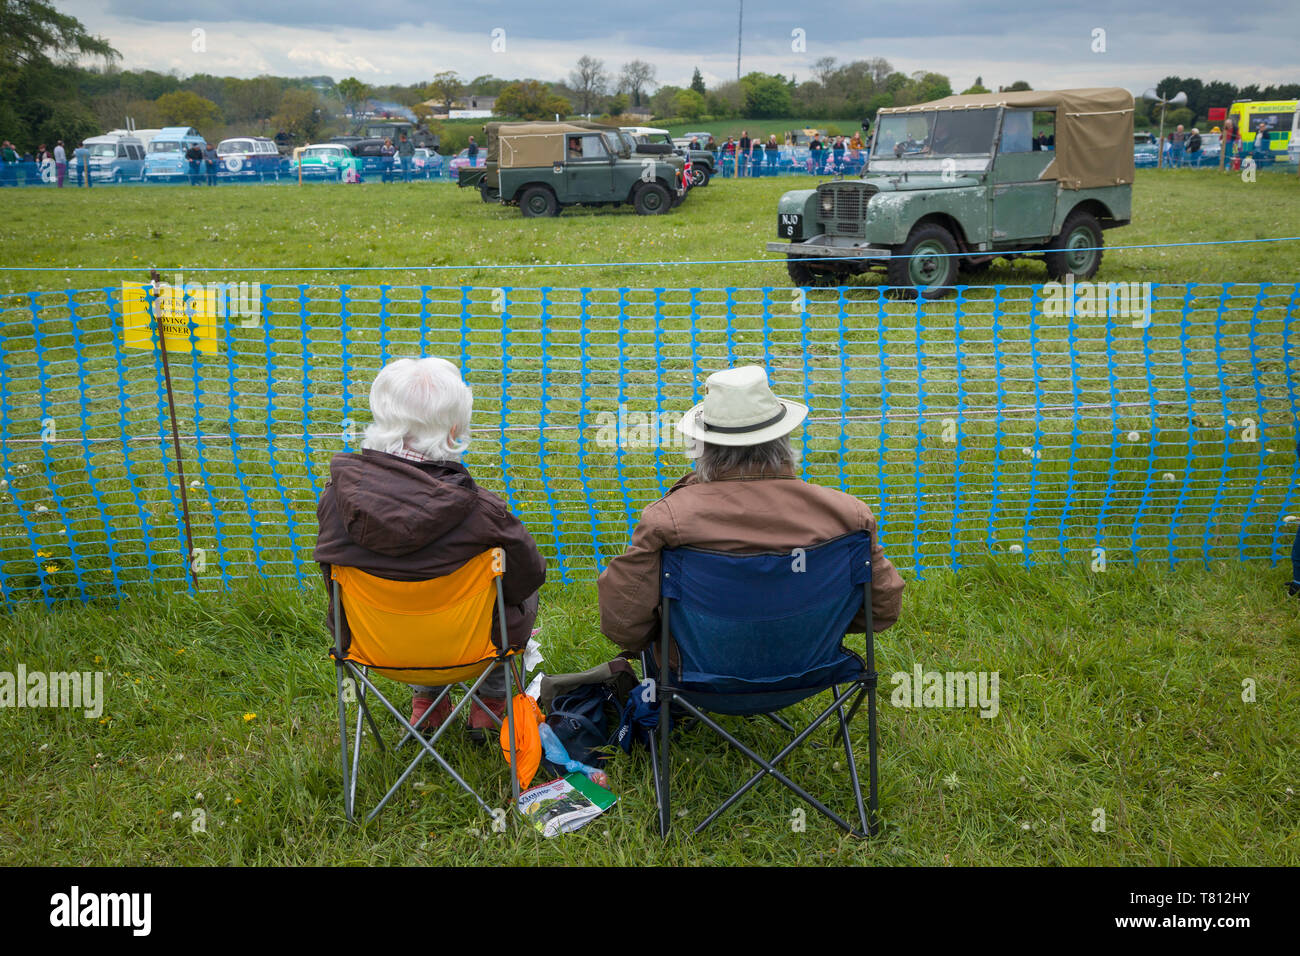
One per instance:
(187, 314)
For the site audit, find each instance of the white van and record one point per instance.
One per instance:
(115, 157)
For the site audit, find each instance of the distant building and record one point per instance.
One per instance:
(466, 106)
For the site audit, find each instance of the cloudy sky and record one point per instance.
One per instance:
(1048, 43)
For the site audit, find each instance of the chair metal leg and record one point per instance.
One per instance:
(665, 723)
(510, 721)
(872, 750)
(768, 768)
(853, 709)
(781, 722)
(374, 728)
(853, 766)
(426, 750)
(654, 747)
(343, 741)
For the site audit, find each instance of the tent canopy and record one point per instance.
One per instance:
(1094, 129)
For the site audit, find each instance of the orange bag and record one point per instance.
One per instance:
(528, 741)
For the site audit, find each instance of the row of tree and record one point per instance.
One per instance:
(44, 97)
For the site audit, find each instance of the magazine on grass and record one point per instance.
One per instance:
(565, 804)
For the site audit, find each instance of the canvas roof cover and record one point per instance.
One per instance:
(527, 144)
(1094, 130)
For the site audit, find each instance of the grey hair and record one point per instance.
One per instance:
(769, 459)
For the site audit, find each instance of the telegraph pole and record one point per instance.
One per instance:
(740, 29)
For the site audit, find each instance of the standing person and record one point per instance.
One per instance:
(60, 162)
(1176, 141)
(9, 157)
(82, 155)
(773, 150)
(1228, 143)
(1261, 140)
(406, 150)
(388, 151)
(472, 153)
(744, 151)
(837, 152)
(756, 149)
(728, 157)
(815, 149)
(194, 156)
(1194, 148)
(210, 163)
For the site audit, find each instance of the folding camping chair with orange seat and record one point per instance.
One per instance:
(437, 632)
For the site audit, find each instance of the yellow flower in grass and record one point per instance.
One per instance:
(250, 716)
(44, 554)
(51, 568)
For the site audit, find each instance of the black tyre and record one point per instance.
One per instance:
(808, 277)
(652, 200)
(487, 193)
(699, 176)
(1077, 250)
(538, 201)
(925, 265)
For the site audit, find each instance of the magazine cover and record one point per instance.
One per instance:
(565, 804)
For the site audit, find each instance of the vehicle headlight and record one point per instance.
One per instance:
(827, 202)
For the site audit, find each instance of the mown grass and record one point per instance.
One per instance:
(1120, 691)
(433, 224)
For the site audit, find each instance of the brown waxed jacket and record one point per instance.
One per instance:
(741, 515)
(410, 521)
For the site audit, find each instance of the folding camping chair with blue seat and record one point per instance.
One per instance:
(754, 634)
(438, 633)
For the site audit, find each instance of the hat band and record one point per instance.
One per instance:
(742, 429)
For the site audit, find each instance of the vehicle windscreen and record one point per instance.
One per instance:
(164, 146)
(235, 146)
(935, 134)
(318, 153)
(103, 149)
(624, 145)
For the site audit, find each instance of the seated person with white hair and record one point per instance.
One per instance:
(743, 496)
(406, 509)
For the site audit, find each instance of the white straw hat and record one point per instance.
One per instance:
(740, 409)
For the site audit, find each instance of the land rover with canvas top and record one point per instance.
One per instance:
(953, 184)
(543, 167)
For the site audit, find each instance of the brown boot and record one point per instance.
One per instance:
(420, 703)
(480, 722)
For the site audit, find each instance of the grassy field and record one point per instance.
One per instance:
(1120, 691)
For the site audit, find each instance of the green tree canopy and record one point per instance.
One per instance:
(184, 108)
(531, 100)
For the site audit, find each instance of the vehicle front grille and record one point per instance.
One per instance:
(848, 209)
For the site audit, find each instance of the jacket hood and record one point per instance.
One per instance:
(394, 506)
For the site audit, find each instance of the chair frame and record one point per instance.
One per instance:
(345, 669)
(863, 687)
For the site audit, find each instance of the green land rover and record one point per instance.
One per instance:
(954, 184)
(543, 167)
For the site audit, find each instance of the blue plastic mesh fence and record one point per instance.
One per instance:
(1008, 420)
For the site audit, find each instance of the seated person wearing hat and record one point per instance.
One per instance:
(743, 496)
(406, 509)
